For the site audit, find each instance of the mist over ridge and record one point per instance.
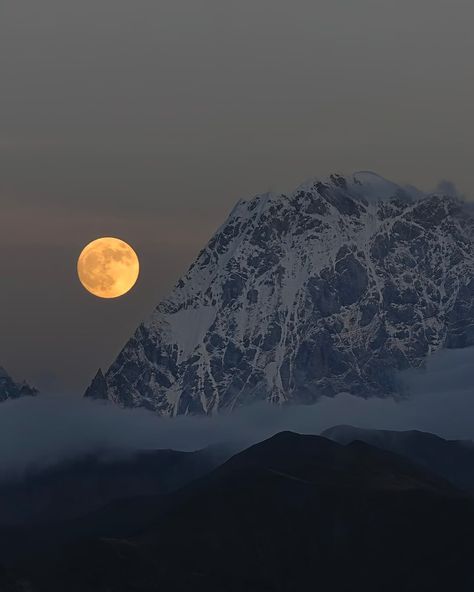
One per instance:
(44, 430)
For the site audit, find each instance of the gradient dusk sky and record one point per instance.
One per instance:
(148, 120)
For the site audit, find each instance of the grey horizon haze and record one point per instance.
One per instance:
(440, 402)
(149, 120)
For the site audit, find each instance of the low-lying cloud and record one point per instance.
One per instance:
(46, 429)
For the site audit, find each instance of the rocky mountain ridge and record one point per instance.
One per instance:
(333, 288)
(9, 389)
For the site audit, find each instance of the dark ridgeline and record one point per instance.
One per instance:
(77, 487)
(453, 459)
(291, 513)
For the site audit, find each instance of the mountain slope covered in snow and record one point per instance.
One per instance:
(333, 288)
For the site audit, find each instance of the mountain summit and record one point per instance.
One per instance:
(332, 288)
(9, 389)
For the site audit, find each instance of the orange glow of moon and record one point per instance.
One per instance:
(108, 267)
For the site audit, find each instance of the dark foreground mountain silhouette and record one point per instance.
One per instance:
(453, 459)
(291, 513)
(47, 508)
(74, 488)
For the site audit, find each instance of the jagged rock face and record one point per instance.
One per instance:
(9, 389)
(98, 387)
(333, 288)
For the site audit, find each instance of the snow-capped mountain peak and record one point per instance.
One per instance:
(332, 288)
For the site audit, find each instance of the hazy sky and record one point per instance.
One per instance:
(148, 119)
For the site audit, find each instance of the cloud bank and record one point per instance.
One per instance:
(47, 429)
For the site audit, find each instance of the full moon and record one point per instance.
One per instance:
(108, 267)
